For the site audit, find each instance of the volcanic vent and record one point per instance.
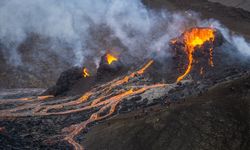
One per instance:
(198, 45)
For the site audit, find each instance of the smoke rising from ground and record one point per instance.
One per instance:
(69, 24)
(238, 41)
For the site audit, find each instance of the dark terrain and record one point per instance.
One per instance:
(208, 113)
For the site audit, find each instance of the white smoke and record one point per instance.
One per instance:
(241, 44)
(238, 41)
(139, 29)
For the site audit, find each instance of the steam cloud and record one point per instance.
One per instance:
(69, 23)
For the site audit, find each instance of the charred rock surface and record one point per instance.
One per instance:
(66, 80)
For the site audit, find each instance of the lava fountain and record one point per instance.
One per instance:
(193, 39)
(111, 58)
(85, 73)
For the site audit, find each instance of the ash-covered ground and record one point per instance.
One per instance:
(142, 104)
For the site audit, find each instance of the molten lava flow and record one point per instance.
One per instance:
(193, 38)
(85, 73)
(132, 75)
(142, 70)
(100, 102)
(109, 106)
(25, 99)
(110, 58)
(45, 97)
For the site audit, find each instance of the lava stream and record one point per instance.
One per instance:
(95, 103)
(192, 39)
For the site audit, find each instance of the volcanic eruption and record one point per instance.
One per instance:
(194, 39)
(104, 98)
(138, 78)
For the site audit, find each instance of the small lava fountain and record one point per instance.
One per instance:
(193, 39)
(85, 73)
(111, 58)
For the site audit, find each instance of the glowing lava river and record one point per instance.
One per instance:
(100, 103)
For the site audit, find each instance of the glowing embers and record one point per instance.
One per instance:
(193, 39)
(85, 73)
(111, 58)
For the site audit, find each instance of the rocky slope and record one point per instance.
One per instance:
(244, 4)
(217, 119)
(174, 116)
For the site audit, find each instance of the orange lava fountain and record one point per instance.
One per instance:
(85, 73)
(192, 39)
(111, 58)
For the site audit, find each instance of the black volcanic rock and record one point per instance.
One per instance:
(218, 120)
(66, 80)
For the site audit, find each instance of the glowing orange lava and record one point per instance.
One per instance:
(25, 99)
(193, 38)
(45, 97)
(110, 58)
(85, 73)
(142, 70)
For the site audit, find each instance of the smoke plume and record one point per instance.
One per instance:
(79, 27)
